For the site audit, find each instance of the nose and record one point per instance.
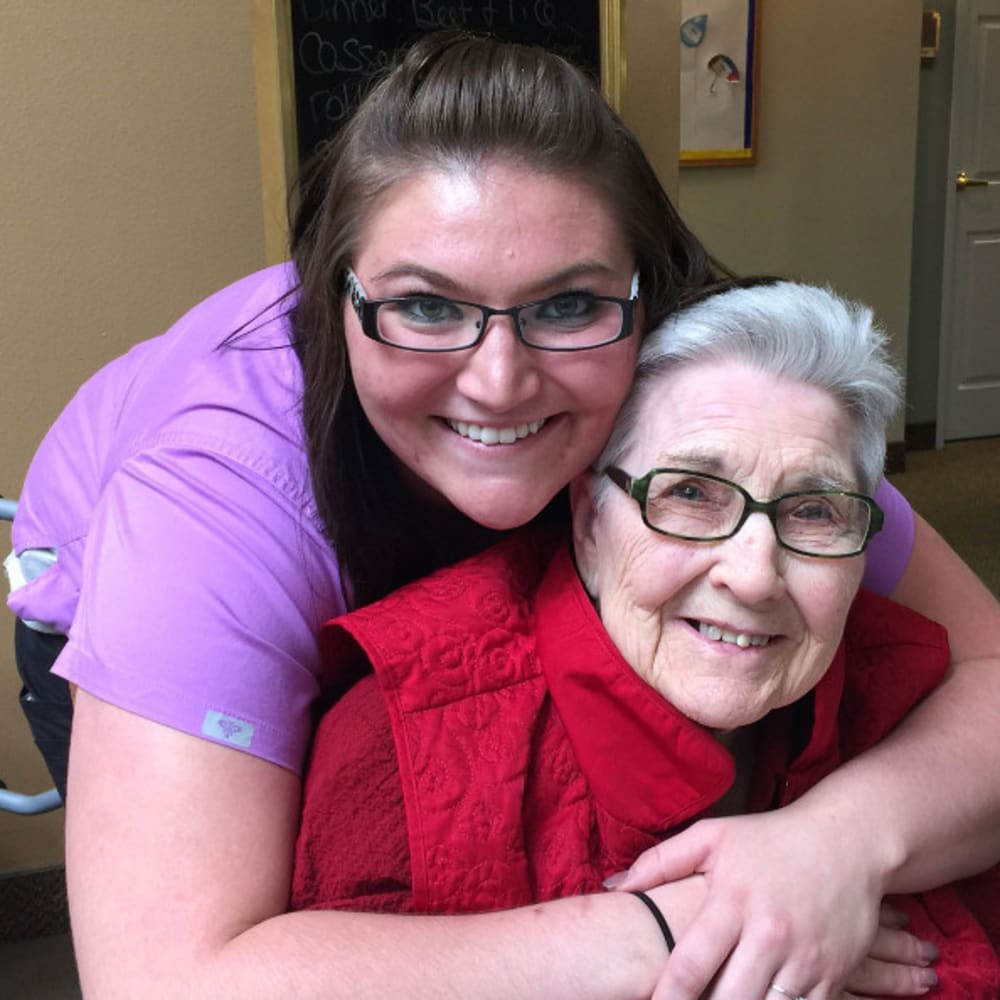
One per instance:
(751, 563)
(500, 373)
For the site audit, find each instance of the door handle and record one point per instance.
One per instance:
(963, 181)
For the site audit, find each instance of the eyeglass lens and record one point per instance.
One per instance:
(823, 524)
(563, 322)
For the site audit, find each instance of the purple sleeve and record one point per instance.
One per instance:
(202, 595)
(889, 551)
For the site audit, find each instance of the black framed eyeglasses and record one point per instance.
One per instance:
(570, 321)
(697, 507)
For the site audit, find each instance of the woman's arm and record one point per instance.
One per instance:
(178, 861)
(179, 849)
(952, 741)
(878, 824)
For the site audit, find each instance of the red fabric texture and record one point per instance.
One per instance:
(502, 752)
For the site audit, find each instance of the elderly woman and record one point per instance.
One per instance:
(527, 722)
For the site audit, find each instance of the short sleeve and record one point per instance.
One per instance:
(203, 590)
(889, 551)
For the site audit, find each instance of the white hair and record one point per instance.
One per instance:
(782, 328)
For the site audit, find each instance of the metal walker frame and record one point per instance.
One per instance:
(18, 802)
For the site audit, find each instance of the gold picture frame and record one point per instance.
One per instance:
(720, 71)
(613, 52)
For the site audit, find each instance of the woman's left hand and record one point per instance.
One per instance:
(781, 908)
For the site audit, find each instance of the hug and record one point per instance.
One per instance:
(477, 259)
(529, 721)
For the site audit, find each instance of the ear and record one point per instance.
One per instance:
(581, 497)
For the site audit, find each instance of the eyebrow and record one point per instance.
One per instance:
(696, 461)
(816, 482)
(585, 269)
(713, 465)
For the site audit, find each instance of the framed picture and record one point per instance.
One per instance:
(719, 42)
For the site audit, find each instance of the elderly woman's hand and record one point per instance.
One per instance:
(774, 913)
(896, 963)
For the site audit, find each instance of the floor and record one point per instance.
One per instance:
(40, 969)
(955, 489)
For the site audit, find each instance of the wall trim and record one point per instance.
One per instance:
(33, 904)
(895, 457)
(921, 437)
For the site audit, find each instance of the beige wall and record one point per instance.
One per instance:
(830, 198)
(130, 189)
(652, 83)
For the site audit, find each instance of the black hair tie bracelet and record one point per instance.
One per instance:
(661, 921)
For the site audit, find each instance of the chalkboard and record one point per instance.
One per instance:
(337, 45)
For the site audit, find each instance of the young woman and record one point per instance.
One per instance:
(216, 494)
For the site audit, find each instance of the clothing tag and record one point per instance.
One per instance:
(223, 727)
(15, 575)
(29, 565)
(21, 570)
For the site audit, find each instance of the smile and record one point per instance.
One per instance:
(741, 639)
(495, 435)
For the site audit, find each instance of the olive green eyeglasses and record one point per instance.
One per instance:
(697, 507)
(570, 321)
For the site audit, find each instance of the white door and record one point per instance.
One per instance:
(969, 386)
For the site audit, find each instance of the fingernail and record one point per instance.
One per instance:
(927, 978)
(928, 952)
(613, 881)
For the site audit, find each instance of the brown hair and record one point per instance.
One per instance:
(454, 100)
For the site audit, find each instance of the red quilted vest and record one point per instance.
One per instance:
(503, 753)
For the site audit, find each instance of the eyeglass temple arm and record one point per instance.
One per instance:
(619, 477)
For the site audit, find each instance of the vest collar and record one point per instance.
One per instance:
(611, 715)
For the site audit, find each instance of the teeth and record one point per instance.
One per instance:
(741, 639)
(495, 435)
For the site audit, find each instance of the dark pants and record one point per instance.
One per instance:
(45, 697)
